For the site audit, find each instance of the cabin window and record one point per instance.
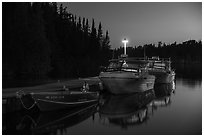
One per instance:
(131, 65)
(114, 65)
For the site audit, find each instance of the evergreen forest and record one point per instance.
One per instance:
(44, 39)
(186, 52)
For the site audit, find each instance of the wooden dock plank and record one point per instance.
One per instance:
(9, 92)
(10, 102)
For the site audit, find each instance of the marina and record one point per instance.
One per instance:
(125, 94)
(73, 68)
(115, 112)
(129, 75)
(122, 76)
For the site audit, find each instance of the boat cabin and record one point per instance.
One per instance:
(127, 65)
(157, 63)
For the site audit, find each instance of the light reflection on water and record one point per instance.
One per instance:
(155, 112)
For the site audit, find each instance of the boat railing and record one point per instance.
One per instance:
(157, 69)
(159, 59)
(153, 63)
(135, 58)
(112, 69)
(128, 69)
(144, 59)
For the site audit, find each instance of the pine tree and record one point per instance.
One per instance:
(42, 38)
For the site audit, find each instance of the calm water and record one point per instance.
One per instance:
(155, 112)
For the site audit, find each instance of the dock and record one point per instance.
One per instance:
(10, 102)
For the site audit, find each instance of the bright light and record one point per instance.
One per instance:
(125, 41)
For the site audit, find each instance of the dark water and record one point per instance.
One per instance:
(174, 108)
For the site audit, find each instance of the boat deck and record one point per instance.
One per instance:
(52, 87)
(10, 102)
(64, 92)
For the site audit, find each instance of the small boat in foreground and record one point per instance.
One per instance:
(48, 101)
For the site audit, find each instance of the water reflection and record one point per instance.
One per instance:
(10, 122)
(162, 90)
(163, 95)
(189, 73)
(133, 109)
(122, 111)
(54, 122)
(125, 110)
(190, 83)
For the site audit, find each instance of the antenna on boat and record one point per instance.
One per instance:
(144, 52)
(125, 41)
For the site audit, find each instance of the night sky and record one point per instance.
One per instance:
(143, 23)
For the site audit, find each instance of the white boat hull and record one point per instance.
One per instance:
(164, 77)
(126, 82)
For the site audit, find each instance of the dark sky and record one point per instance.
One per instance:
(143, 23)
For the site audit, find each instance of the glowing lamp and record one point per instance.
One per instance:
(125, 41)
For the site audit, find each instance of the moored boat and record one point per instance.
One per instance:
(127, 75)
(161, 69)
(54, 100)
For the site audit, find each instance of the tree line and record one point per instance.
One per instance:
(44, 39)
(185, 52)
